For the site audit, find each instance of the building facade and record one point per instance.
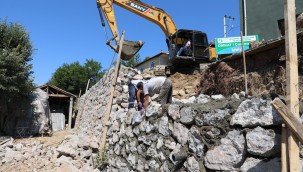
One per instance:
(159, 59)
(263, 17)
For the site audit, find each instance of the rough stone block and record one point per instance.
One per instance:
(255, 112)
(261, 142)
(228, 154)
(180, 132)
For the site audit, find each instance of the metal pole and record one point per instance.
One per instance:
(71, 100)
(244, 63)
(245, 18)
(224, 23)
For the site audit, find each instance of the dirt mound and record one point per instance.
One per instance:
(185, 85)
(266, 72)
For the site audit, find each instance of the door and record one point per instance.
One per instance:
(58, 121)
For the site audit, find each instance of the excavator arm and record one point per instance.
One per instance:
(151, 13)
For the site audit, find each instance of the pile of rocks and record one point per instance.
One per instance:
(75, 153)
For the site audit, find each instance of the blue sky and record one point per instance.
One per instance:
(66, 31)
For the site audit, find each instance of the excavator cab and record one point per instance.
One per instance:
(198, 51)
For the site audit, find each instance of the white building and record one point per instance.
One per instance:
(159, 59)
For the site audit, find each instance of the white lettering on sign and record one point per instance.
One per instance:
(136, 6)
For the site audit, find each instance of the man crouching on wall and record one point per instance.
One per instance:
(158, 85)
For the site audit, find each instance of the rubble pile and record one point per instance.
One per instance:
(75, 153)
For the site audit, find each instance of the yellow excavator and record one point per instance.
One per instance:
(175, 38)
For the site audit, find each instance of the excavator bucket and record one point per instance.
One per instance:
(130, 48)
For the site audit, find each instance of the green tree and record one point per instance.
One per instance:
(94, 71)
(132, 62)
(73, 77)
(15, 54)
(147, 57)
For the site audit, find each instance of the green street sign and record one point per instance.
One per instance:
(232, 45)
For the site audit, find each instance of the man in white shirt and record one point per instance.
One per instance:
(157, 85)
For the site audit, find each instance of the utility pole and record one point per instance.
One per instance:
(224, 23)
(245, 17)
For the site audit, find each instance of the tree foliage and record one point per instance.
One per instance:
(73, 77)
(147, 57)
(15, 54)
(132, 62)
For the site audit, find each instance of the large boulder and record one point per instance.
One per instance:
(164, 126)
(255, 112)
(257, 165)
(192, 165)
(180, 132)
(195, 142)
(229, 155)
(187, 116)
(263, 142)
(174, 111)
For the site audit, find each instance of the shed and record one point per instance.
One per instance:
(61, 106)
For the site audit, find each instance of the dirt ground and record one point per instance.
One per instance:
(266, 74)
(185, 85)
(52, 141)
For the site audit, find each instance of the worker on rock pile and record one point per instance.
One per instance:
(134, 93)
(140, 96)
(158, 85)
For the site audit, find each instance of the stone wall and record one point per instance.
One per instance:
(205, 133)
(93, 104)
(202, 133)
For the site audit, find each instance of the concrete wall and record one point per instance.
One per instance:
(262, 17)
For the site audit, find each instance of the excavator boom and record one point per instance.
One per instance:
(153, 14)
(175, 38)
